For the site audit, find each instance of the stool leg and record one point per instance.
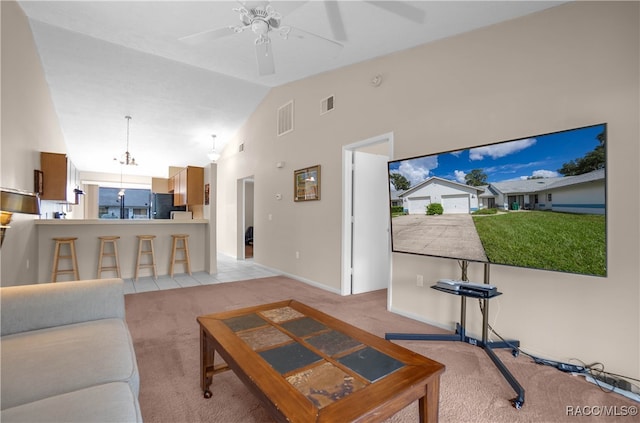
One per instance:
(138, 260)
(185, 241)
(174, 245)
(74, 257)
(115, 251)
(54, 269)
(153, 260)
(100, 259)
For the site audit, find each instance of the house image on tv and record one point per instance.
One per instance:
(583, 193)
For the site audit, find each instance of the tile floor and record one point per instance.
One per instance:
(229, 270)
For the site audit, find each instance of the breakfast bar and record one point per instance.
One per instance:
(87, 244)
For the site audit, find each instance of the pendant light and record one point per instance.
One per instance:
(213, 154)
(127, 159)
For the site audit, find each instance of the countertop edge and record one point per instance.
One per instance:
(65, 222)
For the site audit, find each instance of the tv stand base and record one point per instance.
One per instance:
(487, 346)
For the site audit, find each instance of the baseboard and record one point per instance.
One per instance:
(422, 319)
(300, 279)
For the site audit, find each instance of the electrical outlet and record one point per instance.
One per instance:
(419, 280)
(27, 263)
(297, 254)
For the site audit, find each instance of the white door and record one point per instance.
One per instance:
(455, 204)
(370, 243)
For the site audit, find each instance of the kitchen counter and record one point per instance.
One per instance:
(88, 245)
(118, 221)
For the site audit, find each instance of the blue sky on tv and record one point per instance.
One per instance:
(540, 155)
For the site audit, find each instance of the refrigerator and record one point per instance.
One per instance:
(162, 206)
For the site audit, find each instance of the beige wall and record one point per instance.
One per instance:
(29, 125)
(570, 66)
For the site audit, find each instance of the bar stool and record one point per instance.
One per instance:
(150, 252)
(57, 255)
(104, 240)
(185, 252)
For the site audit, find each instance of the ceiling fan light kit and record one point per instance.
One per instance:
(261, 20)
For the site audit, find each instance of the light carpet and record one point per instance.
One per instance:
(166, 338)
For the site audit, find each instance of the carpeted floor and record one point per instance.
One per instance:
(166, 337)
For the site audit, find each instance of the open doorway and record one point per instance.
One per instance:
(245, 218)
(365, 230)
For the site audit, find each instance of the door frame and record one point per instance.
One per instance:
(347, 204)
(241, 212)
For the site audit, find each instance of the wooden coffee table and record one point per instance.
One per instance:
(307, 366)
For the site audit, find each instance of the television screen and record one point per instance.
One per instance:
(537, 202)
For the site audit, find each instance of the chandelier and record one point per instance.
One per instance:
(127, 159)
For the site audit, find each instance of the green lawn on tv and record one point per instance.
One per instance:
(565, 242)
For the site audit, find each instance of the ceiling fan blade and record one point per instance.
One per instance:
(264, 55)
(401, 8)
(208, 35)
(301, 33)
(287, 7)
(335, 20)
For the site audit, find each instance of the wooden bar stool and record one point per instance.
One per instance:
(57, 255)
(104, 240)
(142, 252)
(185, 252)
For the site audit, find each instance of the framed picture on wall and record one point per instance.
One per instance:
(206, 194)
(38, 181)
(306, 184)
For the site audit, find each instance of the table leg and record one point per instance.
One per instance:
(207, 355)
(428, 405)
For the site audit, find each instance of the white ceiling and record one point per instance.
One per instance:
(104, 60)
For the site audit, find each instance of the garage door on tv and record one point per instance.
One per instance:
(537, 202)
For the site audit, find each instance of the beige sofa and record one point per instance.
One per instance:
(67, 355)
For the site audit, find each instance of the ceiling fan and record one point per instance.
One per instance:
(262, 19)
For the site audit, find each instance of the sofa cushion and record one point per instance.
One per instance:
(45, 305)
(111, 402)
(54, 361)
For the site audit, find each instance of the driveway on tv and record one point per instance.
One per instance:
(447, 235)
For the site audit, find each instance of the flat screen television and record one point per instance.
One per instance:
(536, 202)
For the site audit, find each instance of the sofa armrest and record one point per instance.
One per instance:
(30, 307)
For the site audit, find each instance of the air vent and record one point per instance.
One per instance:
(326, 105)
(285, 118)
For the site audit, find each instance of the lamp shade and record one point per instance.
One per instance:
(14, 201)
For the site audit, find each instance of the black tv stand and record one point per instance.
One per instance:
(461, 336)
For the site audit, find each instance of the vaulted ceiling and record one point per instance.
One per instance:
(104, 60)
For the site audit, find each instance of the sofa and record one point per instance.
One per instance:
(67, 354)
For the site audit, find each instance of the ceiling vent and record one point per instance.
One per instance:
(285, 118)
(326, 105)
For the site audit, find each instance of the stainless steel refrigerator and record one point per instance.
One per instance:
(162, 206)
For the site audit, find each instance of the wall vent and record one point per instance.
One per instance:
(285, 118)
(326, 105)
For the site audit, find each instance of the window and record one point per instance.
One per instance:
(135, 204)
(549, 197)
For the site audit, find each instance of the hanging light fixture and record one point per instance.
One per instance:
(126, 158)
(213, 155)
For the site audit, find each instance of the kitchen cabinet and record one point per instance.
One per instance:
(59, 178)
(188, 186)
(54, 176)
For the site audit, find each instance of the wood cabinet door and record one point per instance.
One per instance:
(54, 176)
(195, 186)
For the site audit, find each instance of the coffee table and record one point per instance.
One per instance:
(307, 366)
